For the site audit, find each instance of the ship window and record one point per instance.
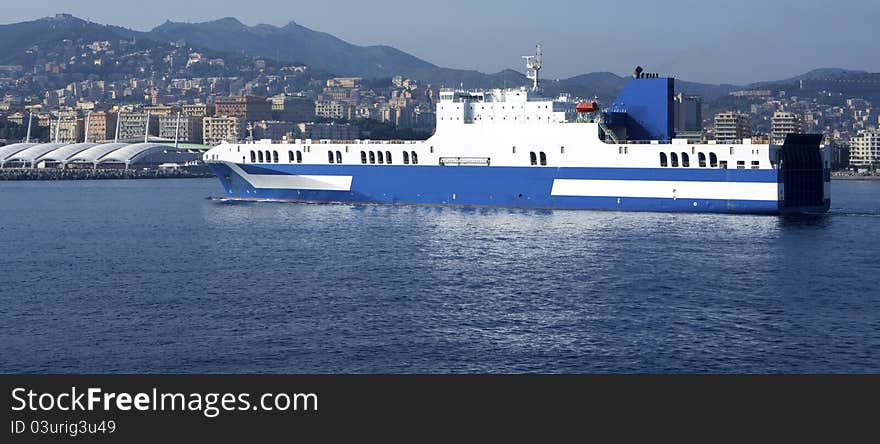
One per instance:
(261, 156)
(674, 158)
(405, 158)
(701, 158)
(372, 157)
(685, 160)
(338, 157)
(663, 162)
(363, 157)
(299, 156)
(740, 164)
(532, 158)
(388, 157)
(562, 150)
(290, 157)
(253, 156)
(543, 158)
(268, 157)
(514, 150)
(329, 156)
(275, 156)
(431, 151)
(731, 151)
(713, 160)
(379, 156)
(756, 164)
(724, 164)
(415, 158)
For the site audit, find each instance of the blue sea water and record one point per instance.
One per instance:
(150, 276)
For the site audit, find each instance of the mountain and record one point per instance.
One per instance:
(17, 38)
(295, 43)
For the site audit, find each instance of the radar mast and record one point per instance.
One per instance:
(533, 66)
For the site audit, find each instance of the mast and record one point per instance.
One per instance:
(30, 120)
(147, 129)
(177, 131)
(88, 122)
(58, 127)
(533, 66)
(118, 118)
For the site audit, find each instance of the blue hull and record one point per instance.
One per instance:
(519, 187)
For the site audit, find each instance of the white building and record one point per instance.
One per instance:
(864, 148)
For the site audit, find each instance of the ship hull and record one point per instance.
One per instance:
(623, 189)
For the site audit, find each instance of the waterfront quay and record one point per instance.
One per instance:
(96, 174)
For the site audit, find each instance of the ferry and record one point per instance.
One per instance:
(512, 148)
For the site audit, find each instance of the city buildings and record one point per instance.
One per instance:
(183, 129)
(688, 112)
(69, 128)
(133, 126)
(333, 131)
(216, 130)
(101, 126)
(273, 129)
(864, 149)
(783, 123)
(246, 108)
(292, 109)
(732, 125)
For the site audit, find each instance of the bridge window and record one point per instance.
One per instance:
(663, 161)
(363, 157)
(388, 157)
(543, 158)
(415, 158)
(372, 157)
(532, 158)
(329, 156)
(756, 164)
(701, 158)
(713, 160)
(740, 164)
(299, 156)
(275, 156)
(338, 157)
(290, 157)
(405, 158)
(260, 156)
(674, 158)
(253, 157)
(379, 157)
(685, 160)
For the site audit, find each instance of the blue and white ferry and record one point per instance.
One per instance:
(509, 148)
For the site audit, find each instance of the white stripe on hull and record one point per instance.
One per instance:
(666, 189)
(295, 182)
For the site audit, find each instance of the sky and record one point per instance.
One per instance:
(737, 42)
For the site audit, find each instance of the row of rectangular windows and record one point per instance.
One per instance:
(672, 160)
(334, 157)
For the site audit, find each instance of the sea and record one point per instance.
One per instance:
(153, 276)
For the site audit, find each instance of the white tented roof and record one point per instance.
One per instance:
(96, 152)
(32, 153)
(131, 153)
(65, 152)
(11, 150)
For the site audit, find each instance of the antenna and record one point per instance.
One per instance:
(533, 66)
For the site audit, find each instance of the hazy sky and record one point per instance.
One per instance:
(736, 41)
